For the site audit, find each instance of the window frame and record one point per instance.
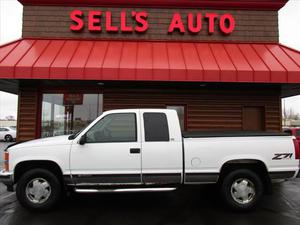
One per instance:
(136, 129)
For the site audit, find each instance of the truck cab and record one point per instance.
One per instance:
(129, 147)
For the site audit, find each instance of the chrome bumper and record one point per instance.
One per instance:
(7, 179)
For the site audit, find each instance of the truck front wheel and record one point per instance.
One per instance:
(39, 190)
(242, 189)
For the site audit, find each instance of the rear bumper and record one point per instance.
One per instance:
(7, 179)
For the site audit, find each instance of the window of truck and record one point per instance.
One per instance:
(298, 133)
(156, 127)
(117, 127)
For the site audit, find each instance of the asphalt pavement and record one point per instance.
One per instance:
(189, 206)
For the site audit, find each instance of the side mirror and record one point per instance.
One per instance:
(82, 140)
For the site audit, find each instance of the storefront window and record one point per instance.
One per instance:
(68, 113)
(181, 114)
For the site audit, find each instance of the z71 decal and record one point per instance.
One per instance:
(280, 156)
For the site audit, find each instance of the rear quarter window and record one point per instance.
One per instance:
(156, 127)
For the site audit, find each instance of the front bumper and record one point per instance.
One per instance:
(7, 179)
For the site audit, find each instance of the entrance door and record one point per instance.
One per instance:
(254, 118)
(111, 154)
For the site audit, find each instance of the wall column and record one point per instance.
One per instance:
(28, 114)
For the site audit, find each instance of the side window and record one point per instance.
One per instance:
(156, 127)
(1, 129)
(118, 127)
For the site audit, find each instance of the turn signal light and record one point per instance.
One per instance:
(6, 161)
(297, 148)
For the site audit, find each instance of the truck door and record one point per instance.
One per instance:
(111, 153)
(162, 155)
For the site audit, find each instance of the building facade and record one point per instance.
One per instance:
(218, 63)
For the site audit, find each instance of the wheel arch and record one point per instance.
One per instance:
(25, 166)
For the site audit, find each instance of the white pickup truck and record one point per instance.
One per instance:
(144, 150)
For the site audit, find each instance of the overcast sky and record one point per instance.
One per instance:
(11, 25)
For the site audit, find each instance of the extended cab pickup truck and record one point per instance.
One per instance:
(144, 150)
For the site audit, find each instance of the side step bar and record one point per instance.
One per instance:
(124, 190)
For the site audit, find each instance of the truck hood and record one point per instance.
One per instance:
(42, 142)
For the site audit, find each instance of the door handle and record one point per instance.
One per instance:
(135, 151)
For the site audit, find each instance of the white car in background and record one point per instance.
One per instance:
(7, 134)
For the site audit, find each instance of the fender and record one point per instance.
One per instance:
(242, 157)
(65, 170)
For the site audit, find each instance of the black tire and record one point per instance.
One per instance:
(8, 138)
(54, 183)
(228, 190)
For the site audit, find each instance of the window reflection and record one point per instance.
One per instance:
(69, 113)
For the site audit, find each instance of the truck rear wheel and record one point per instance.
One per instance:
(39, 190)
(242, 189)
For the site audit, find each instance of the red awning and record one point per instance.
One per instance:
(149, 61)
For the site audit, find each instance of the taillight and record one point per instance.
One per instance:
(6, 161)
(297, 149)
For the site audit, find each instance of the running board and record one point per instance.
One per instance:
(79, 190)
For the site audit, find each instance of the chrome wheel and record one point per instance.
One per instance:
(243, 191)
(38, 190)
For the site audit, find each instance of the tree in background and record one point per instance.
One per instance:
(10, 118)
(289, 115)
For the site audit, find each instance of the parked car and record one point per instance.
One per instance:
(7, 134)
(294, 131)
(144, 150)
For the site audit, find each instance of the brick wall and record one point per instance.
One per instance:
(54, 22)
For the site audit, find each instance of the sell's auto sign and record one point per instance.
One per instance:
(106, 21)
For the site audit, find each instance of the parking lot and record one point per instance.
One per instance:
(191, 206)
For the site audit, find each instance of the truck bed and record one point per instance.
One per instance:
(207, 134)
